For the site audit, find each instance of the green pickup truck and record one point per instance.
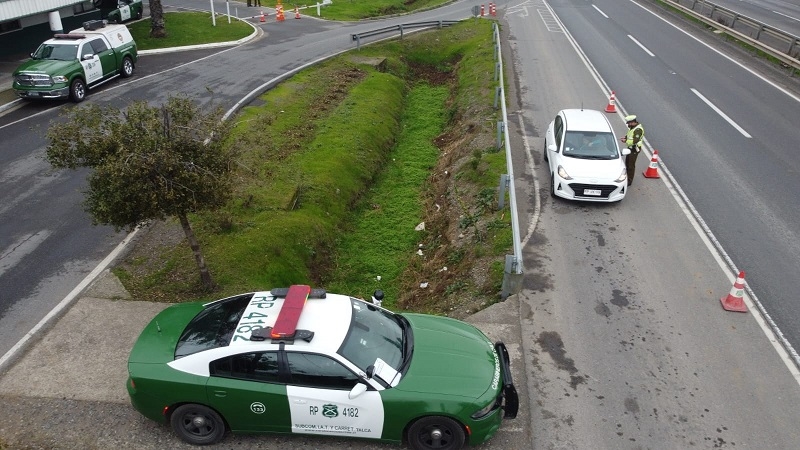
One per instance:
(69, 64)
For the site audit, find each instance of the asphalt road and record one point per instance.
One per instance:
(623, 341)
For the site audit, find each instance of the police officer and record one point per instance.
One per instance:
(633, 140)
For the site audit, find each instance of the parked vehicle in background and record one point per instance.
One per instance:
(125, 10)
(584, 160)
(69, 64)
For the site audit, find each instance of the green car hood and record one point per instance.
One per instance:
(47, 66)
(156, 343)
(450, 357)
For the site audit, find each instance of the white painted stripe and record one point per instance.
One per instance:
(722, 114)
(22, 248)
(600, 11)
(786, 15)
(641, 46)
(68, 299)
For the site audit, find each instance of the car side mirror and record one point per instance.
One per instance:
(551, 147)
(370, 371)
(357, 390)
(87, 57)
(626, 151)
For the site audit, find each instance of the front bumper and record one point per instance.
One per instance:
(510, 397)
(590, 191)
(43, 93)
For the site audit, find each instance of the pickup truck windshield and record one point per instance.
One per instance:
(59, 52)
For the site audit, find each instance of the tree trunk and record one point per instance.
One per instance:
(205, 275)
(157, 27)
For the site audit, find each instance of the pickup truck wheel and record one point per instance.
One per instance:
(77, 90)
(127, 68)
(139, 15)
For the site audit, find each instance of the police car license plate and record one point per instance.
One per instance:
(591, 192)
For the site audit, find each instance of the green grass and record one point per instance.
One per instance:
(356, 9)
(339, 166)
(189, 28)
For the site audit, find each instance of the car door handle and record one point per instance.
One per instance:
(220, 393)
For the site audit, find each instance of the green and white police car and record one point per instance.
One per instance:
(300, 360)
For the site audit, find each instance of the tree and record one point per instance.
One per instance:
(157, 27)
(149, 163)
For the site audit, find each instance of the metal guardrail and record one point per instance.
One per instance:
(512, 273)
(401, 28)
(775, 42)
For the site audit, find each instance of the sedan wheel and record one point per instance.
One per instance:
(545, 152)
(197, 424)
(435, 433)
(553, 185)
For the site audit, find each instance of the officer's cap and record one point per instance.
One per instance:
(630, 118)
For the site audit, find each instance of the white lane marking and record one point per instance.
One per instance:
(54, 313)
(722, 114)
(22, 248)
(600, 11)
(641, 46)
(537, 208)
(786, 15)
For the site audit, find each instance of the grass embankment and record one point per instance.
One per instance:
(356, 9)
(189, 28)
(341, 163)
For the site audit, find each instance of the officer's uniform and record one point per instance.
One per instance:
(633, 140)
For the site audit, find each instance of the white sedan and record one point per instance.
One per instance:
(584, 160)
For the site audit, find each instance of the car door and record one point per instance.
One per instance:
(245, 389)
(319, 398)
(90, 60)
(108, 60)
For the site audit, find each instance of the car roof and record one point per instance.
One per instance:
(327, 316)
(586, 120)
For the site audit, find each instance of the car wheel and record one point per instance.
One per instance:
(77, 90)
(545, 152)
(127, 68)
(139, 15)
(197, 424)
(435, 432)
(553, 185)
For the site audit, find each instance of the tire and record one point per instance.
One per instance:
(139, 15)
(553, 185)
(127, 68)
(77, 90)
(546, 158)
(197, 424)
(435, 432)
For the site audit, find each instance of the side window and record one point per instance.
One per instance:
(247, 366)
(98, 46)
(558, 129)
(312, 370)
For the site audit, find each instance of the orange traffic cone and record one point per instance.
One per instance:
(296, 12)
(611, 107)
(263, 19)
(735, 301)
(652, 169)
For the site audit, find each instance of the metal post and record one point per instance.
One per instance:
(228, 10)
(501, 191)
(512, 278)
(501, 128)
(497, 71)
(213, 15)
(497, 92)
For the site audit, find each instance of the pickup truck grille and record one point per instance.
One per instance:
(33, 80)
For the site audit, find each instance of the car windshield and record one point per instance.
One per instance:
(590, 145)
(213, 327)
(57, 52)
(376, 334)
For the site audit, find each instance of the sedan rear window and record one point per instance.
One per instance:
(213, 327)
